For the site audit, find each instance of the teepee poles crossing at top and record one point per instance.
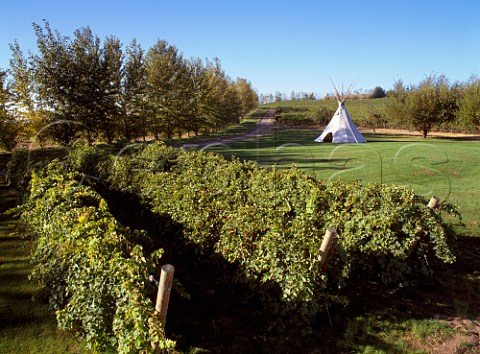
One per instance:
(337, 94)
(341, 97)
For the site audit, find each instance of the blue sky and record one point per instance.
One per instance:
(279, 45)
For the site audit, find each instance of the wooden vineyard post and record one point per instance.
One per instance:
(432, 204)
(326, 245)
(163, 297)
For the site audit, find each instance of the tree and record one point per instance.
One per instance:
(199, 110)
(97, 83)
(9, 128)
(469, 104)
(232, 105)
(25, 105)
(374, 118)
(309, 96)
(133, 103)
(56, 81)
(248, 97)
(432, 103)
(80, 87)
(396, 103)
(78, 83)
(378, 92)
(167, 80)
(215, 99)
(112, 74)
(429, 104)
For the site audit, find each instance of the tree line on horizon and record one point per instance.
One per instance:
(265, 98)
(81, 87)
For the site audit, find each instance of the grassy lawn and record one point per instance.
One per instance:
(26, 325)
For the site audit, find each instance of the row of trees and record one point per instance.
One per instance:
(294, 96)
(377, 92)
(435, 103)
(81, 86)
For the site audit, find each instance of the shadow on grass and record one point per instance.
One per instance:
(381, 320)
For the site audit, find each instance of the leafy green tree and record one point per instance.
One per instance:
(469, 104)
(310, 96)
(430, 104)
(217, 87)
(278, 96)
(133, 104)
(375, 118)
(57, 81)
(227, 99)
(396, 103)
(199, 110)
(98, 82)
(232, 105)
(181, 100)
(79, 83)
(111, 87)
(80, 87)
(10, 129)
(378, 92)
(166, 79)
(248, 97)
(88, 90)
(25, 107)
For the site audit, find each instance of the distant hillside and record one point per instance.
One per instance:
(319, 112)
(352, 96)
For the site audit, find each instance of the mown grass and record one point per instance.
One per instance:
(376, 335)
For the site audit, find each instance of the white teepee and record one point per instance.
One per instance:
(341, 128)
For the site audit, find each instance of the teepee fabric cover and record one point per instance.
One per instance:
(342, 128)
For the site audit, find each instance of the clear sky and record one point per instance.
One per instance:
(290, 45)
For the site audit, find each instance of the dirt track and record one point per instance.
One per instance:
(265, 126)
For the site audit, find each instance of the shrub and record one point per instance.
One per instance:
(324, 115)
(18, 170)
(89, 264)
(270, 224)
(377, 226)
(300, 115)
(378, 92)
